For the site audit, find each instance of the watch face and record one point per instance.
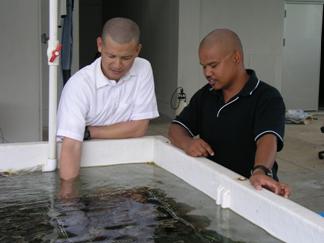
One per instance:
(86, 134)
(269, 173)
(266, 171)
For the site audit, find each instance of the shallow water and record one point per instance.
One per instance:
(117, 204)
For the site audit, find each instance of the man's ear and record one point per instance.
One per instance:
(237, 57)
(99, 44)
(138, 50)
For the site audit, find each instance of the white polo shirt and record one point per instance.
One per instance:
(90, 98)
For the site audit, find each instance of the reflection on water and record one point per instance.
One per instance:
(117, 204)
(131, 215)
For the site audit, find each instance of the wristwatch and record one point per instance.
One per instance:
(87, 135)
(266, 171)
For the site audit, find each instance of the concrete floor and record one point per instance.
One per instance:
(299, 165)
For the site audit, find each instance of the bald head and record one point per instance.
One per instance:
(225, 39)
(121, 30)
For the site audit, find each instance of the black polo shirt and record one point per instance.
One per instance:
(233, 128)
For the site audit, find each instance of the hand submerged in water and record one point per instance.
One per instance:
(68, 189)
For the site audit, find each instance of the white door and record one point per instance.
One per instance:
(302, 55)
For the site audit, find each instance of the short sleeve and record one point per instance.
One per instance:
(145, 106)
(190, 116)
(270, 117)
(72, 111)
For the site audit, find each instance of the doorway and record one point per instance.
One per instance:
(302, 55)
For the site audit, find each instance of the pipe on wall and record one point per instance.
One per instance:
(53, 52)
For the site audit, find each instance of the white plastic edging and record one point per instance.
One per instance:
(279, 216)
(23, 156)
(119, 151)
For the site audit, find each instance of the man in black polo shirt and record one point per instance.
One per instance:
(239, 119)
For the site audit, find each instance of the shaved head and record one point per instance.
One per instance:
(221, 56)
(225, 39)
(121, 30)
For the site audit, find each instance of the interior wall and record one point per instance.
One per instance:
(20, 88)
(259, 23)
(189, 71)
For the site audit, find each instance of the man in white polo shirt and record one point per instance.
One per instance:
(111, 98)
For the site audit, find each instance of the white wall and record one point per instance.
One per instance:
(24, 69)
(189, 72)
(20, 70)
(259, 23)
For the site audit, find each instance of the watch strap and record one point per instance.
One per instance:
(87, 135)
(266, 171)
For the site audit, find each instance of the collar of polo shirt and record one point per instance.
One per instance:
(248, 89)
(102, 80)
(251, 85)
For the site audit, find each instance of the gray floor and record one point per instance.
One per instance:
(299, 165)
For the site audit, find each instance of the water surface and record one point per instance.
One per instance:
(117, 204)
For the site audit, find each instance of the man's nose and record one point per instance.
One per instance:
(117, 63)
(207, 71)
